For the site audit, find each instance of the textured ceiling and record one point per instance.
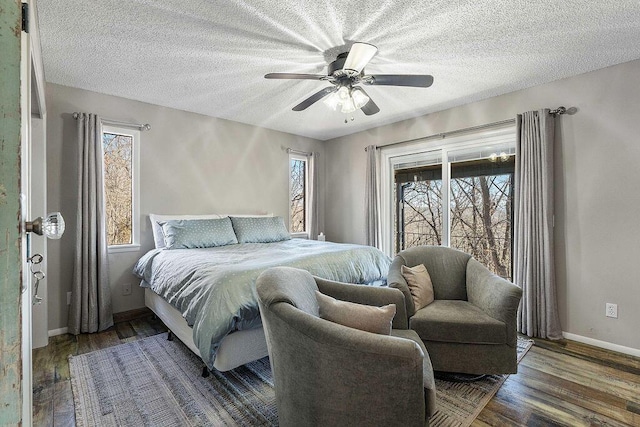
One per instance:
(210, 57)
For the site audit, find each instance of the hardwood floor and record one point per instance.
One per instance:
(568, 383)
(558, 383)
(52, 397)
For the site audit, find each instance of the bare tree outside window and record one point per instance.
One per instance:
(298, 170)
(421, 212)
(481, 220)
(481, 202)
(118, 186)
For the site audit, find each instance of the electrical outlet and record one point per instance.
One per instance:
(69, 298)
(611, 310)
(126, 289)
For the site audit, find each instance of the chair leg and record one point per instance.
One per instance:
(169, 336)
(205, 371)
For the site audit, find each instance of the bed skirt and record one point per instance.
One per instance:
(236, 349)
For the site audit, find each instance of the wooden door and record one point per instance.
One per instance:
(11, 410)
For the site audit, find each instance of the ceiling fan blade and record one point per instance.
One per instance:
(359, 56)
(413, 80)
(295, 76)
(370, 108)
(314, 98)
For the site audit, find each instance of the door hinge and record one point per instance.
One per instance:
(25, 17)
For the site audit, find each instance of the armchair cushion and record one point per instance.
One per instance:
(367, 318)
(369, 295)
(457, 321)
(447, 268)
(420, 285)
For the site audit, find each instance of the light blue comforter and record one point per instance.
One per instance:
(214, 288)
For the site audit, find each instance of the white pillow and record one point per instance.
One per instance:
(156, 219)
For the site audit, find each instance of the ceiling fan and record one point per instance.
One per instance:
(345, 74)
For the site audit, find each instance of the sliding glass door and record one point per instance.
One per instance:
(459, 195)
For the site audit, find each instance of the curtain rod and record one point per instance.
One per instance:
(556, 112)
(139, 126)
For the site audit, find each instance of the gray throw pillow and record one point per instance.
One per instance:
(198, 233)
(263, 229)
(367, 318)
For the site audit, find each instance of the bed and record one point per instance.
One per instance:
(204, 291)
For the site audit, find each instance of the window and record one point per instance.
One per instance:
(298, 194)
(418, 199)
(482, 211)
(458, 195)
(120, 157)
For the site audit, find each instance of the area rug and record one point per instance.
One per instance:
(155, 382)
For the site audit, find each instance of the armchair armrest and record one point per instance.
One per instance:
(395, 279)
(369, 295)
(496, 296)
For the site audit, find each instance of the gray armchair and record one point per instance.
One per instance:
(470, 327)
(326, 374)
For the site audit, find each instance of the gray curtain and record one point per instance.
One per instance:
(371, 197)
(91, 298)
(313, 197)
(533, 265)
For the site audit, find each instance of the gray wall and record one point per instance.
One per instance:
(193, 163)
(189, 164)
(597, 176)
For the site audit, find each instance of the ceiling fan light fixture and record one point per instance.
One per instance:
(359, 98)
(343, 93)
(348, 106)
(349, 100)
(333, 101)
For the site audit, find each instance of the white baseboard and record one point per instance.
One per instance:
(602, 344)
(59, 331)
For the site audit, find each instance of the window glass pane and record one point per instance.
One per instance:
(118, 169)
(418, 207)
(298, 196)
(481, 212)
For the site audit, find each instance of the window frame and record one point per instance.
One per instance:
(135, 185)
(427, 150)
(306, 158)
